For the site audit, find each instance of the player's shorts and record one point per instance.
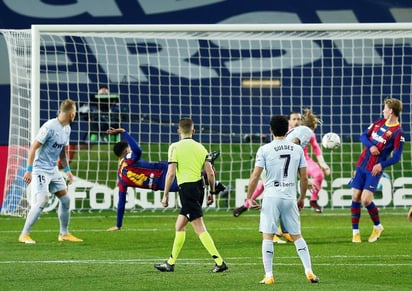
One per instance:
(272, 209)
(47, 182)
(191, 198)
(363, 180)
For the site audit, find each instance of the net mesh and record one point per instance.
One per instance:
(228, 82)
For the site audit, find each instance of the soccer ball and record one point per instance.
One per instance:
(330, 141)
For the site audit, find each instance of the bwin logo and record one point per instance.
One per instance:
(58, 146)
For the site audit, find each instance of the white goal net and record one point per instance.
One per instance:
(228, 78)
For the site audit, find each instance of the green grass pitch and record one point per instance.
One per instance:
(235, 161)
(124, 260)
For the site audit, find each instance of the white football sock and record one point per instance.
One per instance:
(303, 252)
(267, 256)
(35, 211)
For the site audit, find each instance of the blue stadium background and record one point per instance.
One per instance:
(331, 102)
(338, 95)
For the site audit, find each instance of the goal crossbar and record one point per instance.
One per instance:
(230, 78)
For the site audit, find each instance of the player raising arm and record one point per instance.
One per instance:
(136, 172)
(317, 171)
(299, 135)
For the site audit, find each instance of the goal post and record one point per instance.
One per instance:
(19, 53)
(228, 78)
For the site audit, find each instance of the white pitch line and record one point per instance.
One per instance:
(192, 262)
(209, 213)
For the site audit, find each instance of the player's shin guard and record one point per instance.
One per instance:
(303, 252)
(180, 237)
(268, 252)
(355, 213)
(35, 211)
(64, 213)
(209, 245)
(373, 213)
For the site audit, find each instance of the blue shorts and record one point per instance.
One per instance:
(363, 180)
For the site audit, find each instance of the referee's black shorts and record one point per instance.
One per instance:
(191, 198)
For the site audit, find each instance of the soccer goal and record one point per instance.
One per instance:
(228, 78)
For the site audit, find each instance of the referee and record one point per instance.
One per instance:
(186, 159)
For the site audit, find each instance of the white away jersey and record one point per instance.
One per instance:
(281, 160)
(303, 133)
(53, 137)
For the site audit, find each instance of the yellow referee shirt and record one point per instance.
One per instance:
(190, 156)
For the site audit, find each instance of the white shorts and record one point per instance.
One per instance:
(47, 182)
(273, 209)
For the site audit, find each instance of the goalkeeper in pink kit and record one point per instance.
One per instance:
(299, 135)
(316, 170)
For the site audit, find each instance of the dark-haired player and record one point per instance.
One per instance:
(136, 172)
(284, 161)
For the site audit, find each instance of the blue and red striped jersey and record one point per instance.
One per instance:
(387, 139)
(134, 171)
